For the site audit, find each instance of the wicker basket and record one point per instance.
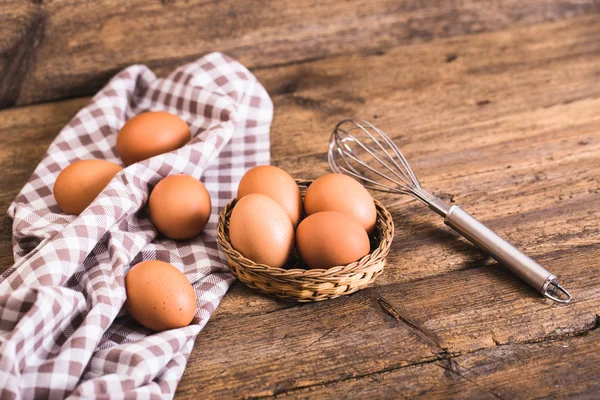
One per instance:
(306, 285)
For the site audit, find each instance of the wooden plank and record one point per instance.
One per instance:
(455, 313)
(59, 49)
(563, 368)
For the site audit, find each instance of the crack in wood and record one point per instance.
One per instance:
(450, 366)
(323, 336)
(551, 338)
(452, 369)
(414, 327)
(442, 356)
(282, 392)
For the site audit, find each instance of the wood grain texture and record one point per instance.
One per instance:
(517, 371)
(59, 49)
(500, 118)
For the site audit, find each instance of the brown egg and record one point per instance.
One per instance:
(150, 134)
(81, 182)
(329, 238)
(159, 296)
(179, 207)
(278, 185)
(260, 229)
(337, 192)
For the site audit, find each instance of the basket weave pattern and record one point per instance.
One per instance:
(306, 285)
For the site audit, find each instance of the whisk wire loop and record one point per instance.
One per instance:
(351, 155)
(375, 148)
(405, 169)
(347, 155)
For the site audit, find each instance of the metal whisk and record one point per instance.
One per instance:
(359, 149)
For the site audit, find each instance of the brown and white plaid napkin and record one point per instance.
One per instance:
(63, 330)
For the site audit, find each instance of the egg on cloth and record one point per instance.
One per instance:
(179, 207)
(81, 182)
(337, 192)
(329, 238)
(261, 230)
(159, 296)
(278, 185)
(150, 134)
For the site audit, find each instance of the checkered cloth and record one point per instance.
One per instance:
(63, 329)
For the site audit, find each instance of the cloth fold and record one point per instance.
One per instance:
(63, 330)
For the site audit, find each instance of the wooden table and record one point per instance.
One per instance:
(496, 105)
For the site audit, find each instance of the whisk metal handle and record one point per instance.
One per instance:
(531, 272)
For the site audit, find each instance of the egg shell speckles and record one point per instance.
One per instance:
(159, 296)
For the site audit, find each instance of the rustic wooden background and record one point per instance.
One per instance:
(495, 103)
